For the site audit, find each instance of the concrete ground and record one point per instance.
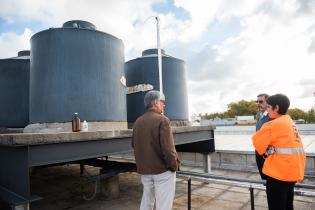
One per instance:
(62, 188)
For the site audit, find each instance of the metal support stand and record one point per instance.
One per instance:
(207, 162)
(107, 182)
(82, 167)
(14, 177)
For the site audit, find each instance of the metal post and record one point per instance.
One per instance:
(207, 162)
(252, 199)
(82, 167)
(159, 52)
(189, 193)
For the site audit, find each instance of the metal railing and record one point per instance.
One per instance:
(238, 182)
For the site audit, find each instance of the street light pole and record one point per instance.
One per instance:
(159, 52)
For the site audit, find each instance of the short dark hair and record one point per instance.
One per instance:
(265, 95)
(281, 100)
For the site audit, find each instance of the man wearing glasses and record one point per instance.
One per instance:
(263, 117)
(155, 154)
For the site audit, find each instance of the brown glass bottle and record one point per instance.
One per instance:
(76, 123)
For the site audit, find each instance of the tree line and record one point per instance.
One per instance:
(245, 108)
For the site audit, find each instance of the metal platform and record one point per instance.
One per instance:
(20, 152)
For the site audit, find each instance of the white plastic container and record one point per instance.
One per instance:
(84, 126)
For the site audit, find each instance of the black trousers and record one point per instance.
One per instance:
(260, 163)
(280, 194)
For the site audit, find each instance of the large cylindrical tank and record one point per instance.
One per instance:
(14, 90)
(76, 69)
(144, 70)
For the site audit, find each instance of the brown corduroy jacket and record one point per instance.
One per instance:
(153, 144)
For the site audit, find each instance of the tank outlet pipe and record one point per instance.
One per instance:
(139, 88)
(135, 88)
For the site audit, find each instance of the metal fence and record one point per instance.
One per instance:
(238, 182)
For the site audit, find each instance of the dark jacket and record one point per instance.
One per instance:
(261, 121)
(153, 144)
(259, 158)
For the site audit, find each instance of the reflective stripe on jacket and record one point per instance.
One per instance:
(287, 161)
(272, 150)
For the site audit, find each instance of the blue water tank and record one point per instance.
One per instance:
(144, 70)
(76, 69)
(14, 90)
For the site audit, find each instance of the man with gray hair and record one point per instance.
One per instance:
(155, 154)
(262, 118)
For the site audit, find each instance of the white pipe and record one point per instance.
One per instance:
(159, 52)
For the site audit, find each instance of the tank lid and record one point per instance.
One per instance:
(153, 51)
(79, 24)
(24, 53)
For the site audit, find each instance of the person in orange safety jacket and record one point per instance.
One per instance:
(281, 145)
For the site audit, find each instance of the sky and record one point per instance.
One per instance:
(233, 50)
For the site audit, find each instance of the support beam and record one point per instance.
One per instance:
(14, 174)
(207, 162)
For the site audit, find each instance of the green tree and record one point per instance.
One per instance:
(298, 114)
(239, 108)
(311, 115)
(242, 108)
(208, 116)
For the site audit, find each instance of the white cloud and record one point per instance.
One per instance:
(11, 43)
(273, 52)
(201, 12)
(204, 12)
(208, 94)
(116, 17)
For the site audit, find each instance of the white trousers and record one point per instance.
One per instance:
(159, 187)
